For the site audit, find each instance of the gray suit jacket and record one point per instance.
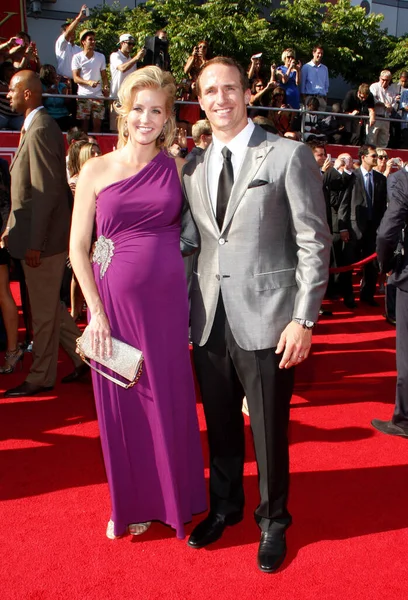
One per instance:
(271, 258)
(389, 234)
(40, 196)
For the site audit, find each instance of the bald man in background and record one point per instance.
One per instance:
(37, 233)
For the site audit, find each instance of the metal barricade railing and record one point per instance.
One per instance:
(302, 111)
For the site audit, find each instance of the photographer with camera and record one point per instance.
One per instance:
(196, 60)
(65, 47)
(24, 54)
(121, 65)
(288, 77)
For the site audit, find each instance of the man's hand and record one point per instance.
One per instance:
(4, 239)
(345, 236)
(93, 83)
(327, 165)
(182, 137)
(33, 258)
(81, 13)
(140, 55)
(295, 342)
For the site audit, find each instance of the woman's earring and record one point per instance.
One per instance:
(125, 129)
(163, 133)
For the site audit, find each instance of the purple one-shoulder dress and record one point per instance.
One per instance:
(149, 433)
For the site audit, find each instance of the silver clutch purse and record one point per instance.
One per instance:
(126, 361)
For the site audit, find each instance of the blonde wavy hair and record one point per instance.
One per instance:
(147, 78)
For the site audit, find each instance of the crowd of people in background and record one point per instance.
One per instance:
(275, 89)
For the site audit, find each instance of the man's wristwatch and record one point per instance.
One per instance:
(304, 323)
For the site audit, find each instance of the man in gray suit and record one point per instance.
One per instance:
(37, 233)
(262, 271)
(392, 252)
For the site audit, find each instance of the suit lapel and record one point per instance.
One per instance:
(202, 186)
(23, 141)
(256, 152)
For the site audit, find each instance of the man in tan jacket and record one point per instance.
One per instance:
(37, 233)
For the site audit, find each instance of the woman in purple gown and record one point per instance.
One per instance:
(138, 294)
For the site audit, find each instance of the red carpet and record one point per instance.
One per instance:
(349, 493)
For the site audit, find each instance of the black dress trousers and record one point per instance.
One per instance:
(226, 373)
(400, 416)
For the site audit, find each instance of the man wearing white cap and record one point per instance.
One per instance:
(121, 65)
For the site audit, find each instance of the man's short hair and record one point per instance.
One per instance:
(317, 47)
(364, 89)
(403, 74)
(315, 144)
(228, 62)
(74, 134)
(201, 127)
(386, 73)
(365, 149)
(313, 102)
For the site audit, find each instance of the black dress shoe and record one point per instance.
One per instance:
(369, 301)
(272, 551)
(76, 374)
(389, 428)
(211, 529)
(26, 389)
(390, 320)
(350, 303)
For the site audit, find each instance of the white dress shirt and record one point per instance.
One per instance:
(30, 117)
(238, 147)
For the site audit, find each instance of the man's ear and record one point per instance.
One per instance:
(247, 96)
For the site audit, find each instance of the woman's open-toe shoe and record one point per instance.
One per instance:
(11, 359)
(139, 528)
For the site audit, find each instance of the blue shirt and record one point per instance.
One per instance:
(403, 104)
(314, 79)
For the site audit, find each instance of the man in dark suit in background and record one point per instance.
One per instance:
(334, 181)
(360, 212)
(37, 233)
(392, 236)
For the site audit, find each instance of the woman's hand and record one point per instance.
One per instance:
(100, 335)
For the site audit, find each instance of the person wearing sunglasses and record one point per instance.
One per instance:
(386, 97)
(385, 163)
(121, 65)
(288, 77)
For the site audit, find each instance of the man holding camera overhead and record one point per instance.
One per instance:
(121, 65)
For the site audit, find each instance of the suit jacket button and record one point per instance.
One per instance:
(218, 277)
(221, 241)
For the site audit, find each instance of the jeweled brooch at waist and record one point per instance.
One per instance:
(103, 251)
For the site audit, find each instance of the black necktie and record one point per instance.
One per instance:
(225, 183)
(369, 197)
